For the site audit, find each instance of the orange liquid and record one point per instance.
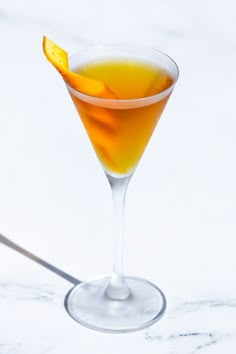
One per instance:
(119, 136)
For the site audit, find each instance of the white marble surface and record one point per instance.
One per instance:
(55, 201)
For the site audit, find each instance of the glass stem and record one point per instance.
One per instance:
(117, 288)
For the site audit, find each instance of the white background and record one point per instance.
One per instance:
(54, 198)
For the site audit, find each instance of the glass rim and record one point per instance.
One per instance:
(130, 102)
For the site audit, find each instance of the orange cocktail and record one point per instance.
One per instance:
(120, 135)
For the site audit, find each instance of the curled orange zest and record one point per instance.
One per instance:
(58, 57)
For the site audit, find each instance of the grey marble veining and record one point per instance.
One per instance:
(8, 348)
(27, 292)
(205, 304)
(196, 326)
(196, 340)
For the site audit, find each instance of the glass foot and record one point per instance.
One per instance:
(89, 304)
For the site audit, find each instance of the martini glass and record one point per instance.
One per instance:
(119, 130)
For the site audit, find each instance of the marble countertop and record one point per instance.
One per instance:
(55, 203)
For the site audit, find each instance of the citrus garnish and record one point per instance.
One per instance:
(58, 57)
